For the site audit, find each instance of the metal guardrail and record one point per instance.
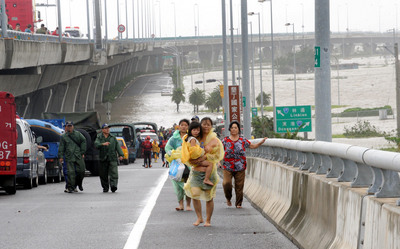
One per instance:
(363, 167)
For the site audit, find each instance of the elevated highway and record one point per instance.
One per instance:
(47, 75)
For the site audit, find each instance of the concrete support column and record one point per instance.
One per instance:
(59, 93)
(71, 97)
(101, 85)
(108, 79)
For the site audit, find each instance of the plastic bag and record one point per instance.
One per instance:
(176, 169)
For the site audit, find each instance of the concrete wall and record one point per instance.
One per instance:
(16, 54)
(319, 212)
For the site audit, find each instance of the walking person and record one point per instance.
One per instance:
(163, 143)
(73, 148)
(109, 148)
(156, 150)
(147, 148)
(195, 186)
(234, 165)
(174, 144)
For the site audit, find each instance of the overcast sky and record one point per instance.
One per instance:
(356, 15)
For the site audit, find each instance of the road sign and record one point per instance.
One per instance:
(168, 56)
(121, 28)
(317, 57)
(234, 104)
(254, 112)
(244, 101)
(221, 90)
(290, 118)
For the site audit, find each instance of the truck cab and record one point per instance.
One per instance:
(8, 143)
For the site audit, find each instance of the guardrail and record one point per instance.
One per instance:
(363, 167)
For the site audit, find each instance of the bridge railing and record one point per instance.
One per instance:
(363, 167)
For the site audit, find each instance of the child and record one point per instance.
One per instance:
(156, 150)
(196, 151)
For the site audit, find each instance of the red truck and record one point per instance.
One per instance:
(8, 142)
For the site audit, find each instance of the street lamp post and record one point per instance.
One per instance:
(273, 62)
(196, 25)
(253, 100)
(259, 57)
(174, 20)
(294, 64)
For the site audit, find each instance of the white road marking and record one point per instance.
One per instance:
(137, 231)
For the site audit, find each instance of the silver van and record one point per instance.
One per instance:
(27, 156)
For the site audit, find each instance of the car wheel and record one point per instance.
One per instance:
(35, 181)
(28, 183)
(57, 178)
(11, 190)
(43, 179)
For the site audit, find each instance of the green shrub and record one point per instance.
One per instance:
(362, 129)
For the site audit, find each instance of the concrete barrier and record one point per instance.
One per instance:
(77, 52)
(319, 212)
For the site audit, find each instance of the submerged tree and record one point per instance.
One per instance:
(178, 96)
(197, 97)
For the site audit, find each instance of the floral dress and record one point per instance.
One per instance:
(235, 154)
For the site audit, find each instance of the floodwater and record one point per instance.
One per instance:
(371, 85)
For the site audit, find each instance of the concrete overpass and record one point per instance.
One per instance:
(51, 76)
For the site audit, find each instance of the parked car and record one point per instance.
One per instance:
(166, 92)
(42, 172)
(51, 140)
(146, 127)
(124, 148)
(8, 143)
(27, 155)
(153, 136)
(128, 133)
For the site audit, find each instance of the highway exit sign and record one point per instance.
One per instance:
(290, 118)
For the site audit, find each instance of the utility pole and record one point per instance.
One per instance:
(225, 69)
(323, 118)
(397, 65)
(97, 10)
(3, 19)
(246, 74)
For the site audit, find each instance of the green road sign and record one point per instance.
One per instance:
(254, 112)
(168, 56)
(244, 101)
(317, 57)
(290, 118)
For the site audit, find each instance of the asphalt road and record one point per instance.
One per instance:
(46, 217)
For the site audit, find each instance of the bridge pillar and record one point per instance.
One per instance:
(91, 96)
(55, 103)
(142, 64)
(205, 58)
(369, 48)
(100, 88)
(71, 96)
(38, 102)
(347, 49)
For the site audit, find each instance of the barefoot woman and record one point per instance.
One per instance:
(195, 187)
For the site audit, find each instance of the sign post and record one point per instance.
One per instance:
(121, 29)
(290, 118)
(234, 104)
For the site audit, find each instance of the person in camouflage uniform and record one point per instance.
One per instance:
(108, 147)
(73, 148)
